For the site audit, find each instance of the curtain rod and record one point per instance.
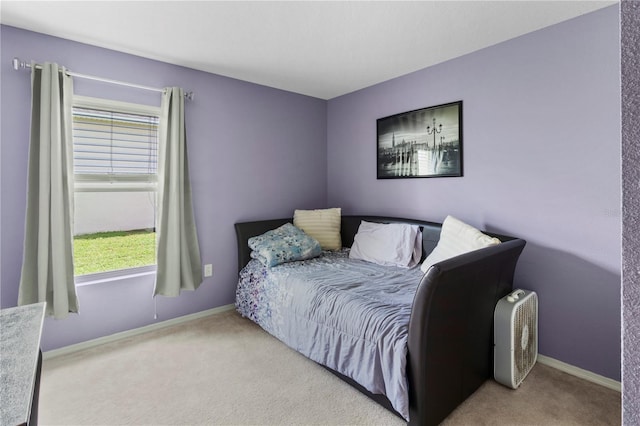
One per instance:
(18, 65)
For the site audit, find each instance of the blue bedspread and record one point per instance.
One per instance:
(349, 315)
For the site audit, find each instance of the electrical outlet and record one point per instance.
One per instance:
(208, 270)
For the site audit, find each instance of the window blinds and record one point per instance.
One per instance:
(114, 151)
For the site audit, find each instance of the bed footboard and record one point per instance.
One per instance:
(450, 346)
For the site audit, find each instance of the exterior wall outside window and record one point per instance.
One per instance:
(113, 211)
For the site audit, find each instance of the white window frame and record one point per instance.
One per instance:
(86, 183)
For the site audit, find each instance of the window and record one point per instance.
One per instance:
(115, 156)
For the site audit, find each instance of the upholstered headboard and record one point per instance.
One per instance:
(348, 229)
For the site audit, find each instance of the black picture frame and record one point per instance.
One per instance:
(423, 143)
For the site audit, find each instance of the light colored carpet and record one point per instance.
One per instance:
(223, 369)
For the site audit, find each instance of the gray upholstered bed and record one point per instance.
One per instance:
(449, 344)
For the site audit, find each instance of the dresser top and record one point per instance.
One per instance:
(20, 332)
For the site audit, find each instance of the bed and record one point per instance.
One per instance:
(448, 321)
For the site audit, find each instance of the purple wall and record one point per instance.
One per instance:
(249, 146)
(541, 161)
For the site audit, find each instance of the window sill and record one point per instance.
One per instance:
(111, 276)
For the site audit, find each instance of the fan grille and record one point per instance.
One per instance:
(524, 338)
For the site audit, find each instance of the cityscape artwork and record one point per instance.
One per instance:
(422, 143)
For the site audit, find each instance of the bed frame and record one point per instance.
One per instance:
(450, 341)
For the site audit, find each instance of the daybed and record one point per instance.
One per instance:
(450, 330)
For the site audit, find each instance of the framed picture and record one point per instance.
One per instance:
(422, 143)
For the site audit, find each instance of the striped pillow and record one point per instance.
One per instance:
(322, 224)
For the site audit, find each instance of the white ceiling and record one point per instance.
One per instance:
(322, 49)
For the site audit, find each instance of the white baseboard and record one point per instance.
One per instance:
(579, 372)
(134, 332)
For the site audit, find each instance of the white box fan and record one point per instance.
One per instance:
(515, 329)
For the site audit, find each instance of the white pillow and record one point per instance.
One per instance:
(456, 238)
(322, 224)
(388, 244)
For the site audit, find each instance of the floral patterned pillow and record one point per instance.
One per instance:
(284, 244)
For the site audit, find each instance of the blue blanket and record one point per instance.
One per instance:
(349, 315)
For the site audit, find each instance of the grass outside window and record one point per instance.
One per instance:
(110, 251)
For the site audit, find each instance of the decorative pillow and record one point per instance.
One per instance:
(388, 244)
(323, 225)
(456, 238)
(284, 244)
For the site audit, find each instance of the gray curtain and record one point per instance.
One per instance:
(47, 266)
(179, 265)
